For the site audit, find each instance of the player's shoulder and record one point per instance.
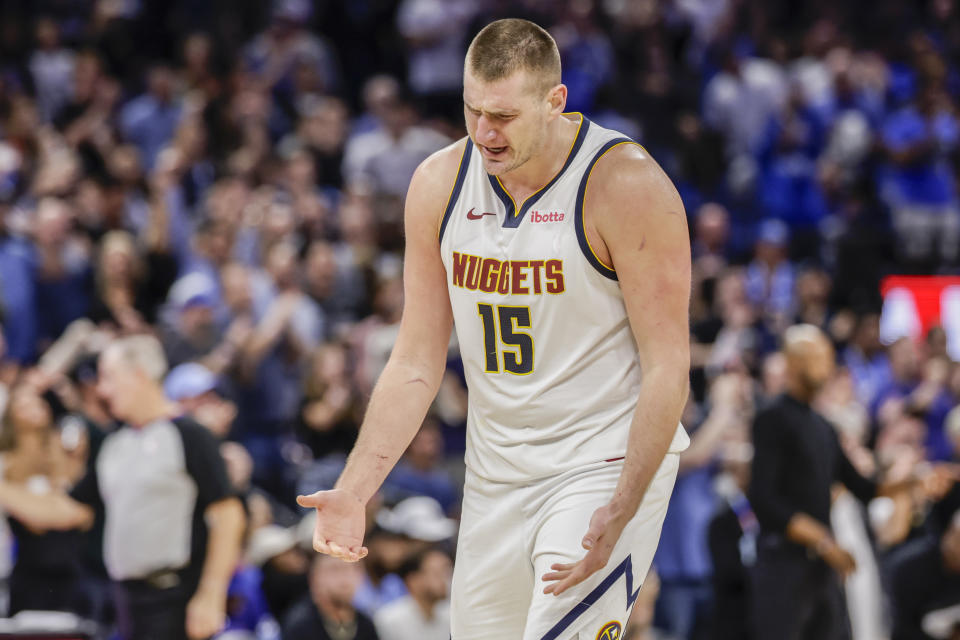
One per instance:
(438, 172)
(630, 186)
(626, 169)
(431, 186)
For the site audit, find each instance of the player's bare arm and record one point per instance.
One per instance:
(413, 373)
(640, 229)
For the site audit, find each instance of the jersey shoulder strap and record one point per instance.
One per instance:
(588, 251)
(457, 187)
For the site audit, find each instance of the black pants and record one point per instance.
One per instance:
(148, 612)
(796, 597)
(33, 589)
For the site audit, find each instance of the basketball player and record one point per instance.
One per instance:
(560, 251)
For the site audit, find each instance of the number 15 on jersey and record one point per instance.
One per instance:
(514, 345)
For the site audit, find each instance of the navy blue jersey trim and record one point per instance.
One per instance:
(624, 568)
(585, 247)
(514, 216)
(505, 197)
(457, 186)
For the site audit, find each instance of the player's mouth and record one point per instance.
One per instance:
(494, 153)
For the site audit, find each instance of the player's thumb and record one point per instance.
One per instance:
(590, 540)
(595, 530)
(312, 500)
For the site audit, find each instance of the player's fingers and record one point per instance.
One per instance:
(561, 566)
(358, 553)
(558, 585)
(555, 575)
(578, 575)
(558, 588)
(320, 545)
(342, 552)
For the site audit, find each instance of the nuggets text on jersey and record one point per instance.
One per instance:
(507, 277)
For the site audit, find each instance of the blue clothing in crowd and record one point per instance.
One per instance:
(18, 298)
(927, 181)
(683, 557)
(369, 598)
(150, 124)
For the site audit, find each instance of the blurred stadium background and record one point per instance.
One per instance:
(229, 175)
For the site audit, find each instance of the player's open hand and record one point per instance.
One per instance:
(603, 533)
(341, 520)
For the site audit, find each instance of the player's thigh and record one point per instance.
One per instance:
(492, 576)
(598, 608)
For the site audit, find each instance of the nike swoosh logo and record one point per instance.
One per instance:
(476, 216)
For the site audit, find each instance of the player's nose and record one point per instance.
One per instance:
(485, 131)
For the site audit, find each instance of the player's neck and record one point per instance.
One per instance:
(542, 167)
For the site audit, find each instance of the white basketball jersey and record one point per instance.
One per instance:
(550, 359)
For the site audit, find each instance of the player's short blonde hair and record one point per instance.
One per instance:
(141, 352)
(506, 46)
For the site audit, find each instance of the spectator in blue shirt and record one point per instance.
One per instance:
(17, 296)
(63, 272)
(788, 187)
(770, 276)
(150, 120)
(917, 181)
(866, 359)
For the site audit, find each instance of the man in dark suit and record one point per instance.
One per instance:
(797, 460)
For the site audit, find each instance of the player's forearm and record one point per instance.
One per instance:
(663, 394)
(397, 408)
(225, 520)
(45, 512)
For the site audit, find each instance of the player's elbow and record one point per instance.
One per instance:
(671, 380)
(417, 371)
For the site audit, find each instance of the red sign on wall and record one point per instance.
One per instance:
(914, 304)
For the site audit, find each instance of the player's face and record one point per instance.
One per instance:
(506, 119)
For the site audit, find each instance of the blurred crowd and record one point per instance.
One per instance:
(230, 177)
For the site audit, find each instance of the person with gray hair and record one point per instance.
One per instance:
(173, 527)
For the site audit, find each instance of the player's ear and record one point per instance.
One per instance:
(557, 99)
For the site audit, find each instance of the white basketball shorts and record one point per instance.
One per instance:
(511, 534)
